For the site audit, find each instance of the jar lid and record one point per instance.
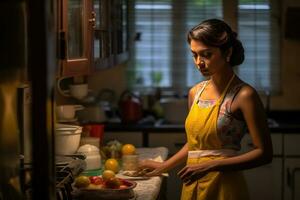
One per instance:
(88, 149)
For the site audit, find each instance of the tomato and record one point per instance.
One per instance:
(113, 183)
(96, 180)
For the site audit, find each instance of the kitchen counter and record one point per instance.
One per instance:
(149, 189)
(288, 124)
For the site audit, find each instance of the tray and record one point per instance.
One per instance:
(106, 193)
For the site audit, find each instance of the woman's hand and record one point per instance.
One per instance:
(151, 168)
(191, 173)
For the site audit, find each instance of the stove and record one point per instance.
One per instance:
(67, 169)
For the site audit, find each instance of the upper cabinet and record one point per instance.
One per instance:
(75, 36)
(110, 43)
(92, 35)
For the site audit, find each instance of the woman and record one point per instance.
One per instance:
(221, 109)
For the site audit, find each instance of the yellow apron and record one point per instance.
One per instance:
(201, 129)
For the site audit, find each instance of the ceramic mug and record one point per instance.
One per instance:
(78, 91)
(67, 112)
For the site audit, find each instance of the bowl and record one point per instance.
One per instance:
(107, 193)
(67, 139)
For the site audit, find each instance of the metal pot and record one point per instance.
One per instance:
(175, 109)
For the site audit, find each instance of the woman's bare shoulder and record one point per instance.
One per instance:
(196, 88)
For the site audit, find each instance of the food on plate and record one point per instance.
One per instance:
(95, 187)
(112, 164)
(142, 172)
(100, 183)
(128, 149)
(82, 181)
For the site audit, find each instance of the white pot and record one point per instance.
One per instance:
(93, 158)
(175, 110)
(67, 139)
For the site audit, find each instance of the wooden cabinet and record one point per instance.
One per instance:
(110, 35)
(75, 36)
(291, 166)
(265, 182)
(92, 35)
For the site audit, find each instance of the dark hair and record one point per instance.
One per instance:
(216, 33)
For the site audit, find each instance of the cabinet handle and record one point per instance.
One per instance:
(289, 177)
(93, 19)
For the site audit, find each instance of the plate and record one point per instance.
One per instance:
(122, 175)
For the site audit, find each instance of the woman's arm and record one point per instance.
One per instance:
(158, 168)
(250, 105)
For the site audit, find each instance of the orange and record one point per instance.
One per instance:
(82, 181)
(112, 164)
(108, 174)
(128, 149)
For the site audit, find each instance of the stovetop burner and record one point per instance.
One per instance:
(67, 168)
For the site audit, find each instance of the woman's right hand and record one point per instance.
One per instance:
(151, 168)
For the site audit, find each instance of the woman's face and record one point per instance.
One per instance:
(209, 60)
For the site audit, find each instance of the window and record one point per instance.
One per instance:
(259, 31)
(161, 54)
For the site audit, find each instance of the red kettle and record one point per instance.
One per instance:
(130, 107)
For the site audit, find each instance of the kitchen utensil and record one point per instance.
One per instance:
(92, 113)
(67, 112)
(93, 158)
(78, 91)
(130, 107)
(67, 139)
(175, 110)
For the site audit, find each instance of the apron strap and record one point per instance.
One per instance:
(220, 100)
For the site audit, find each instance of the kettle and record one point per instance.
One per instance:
(130, 107)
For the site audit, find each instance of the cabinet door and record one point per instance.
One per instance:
(265, 182)
(292, 179)
(292, 166)
(110, 34)
(76, 26)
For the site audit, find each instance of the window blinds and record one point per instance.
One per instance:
(259, 31)
(161, 54)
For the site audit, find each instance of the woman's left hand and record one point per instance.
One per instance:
(192, 172)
